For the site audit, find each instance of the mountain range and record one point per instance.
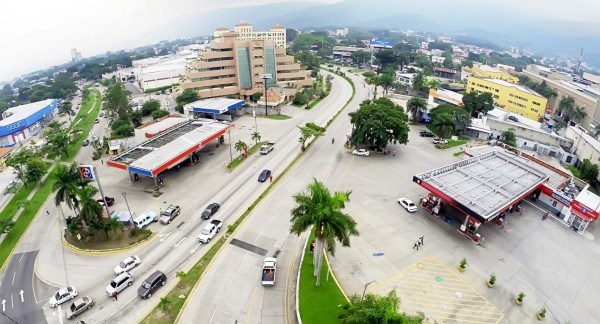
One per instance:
(498, 24)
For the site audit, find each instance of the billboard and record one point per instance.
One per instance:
(87, 172)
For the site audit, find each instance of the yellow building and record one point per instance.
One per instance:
(512, 97)
(486, 71)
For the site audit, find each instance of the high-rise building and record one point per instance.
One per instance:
(237, 62)
(75, 56)
(512, 97)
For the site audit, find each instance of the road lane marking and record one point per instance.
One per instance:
(230, 281)
(179, 243)
(213, 315)
(258, 237)
(3, 305)
(192, 251)
(12, 302)
(251, 305)
(21, 258)
(21, 293)
(163, 237)
(13, 281)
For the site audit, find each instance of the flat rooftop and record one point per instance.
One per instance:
(485, 184)
(155, 127)
(512, 85)
(170, 145)
(23, 111)
(214, 105)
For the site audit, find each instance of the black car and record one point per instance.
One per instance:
(151, 284)
(264, 175)
(513, 118)
(210, 210)
(426, 133)
(86, 143)
(109, 200)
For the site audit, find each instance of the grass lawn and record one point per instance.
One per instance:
(451, 143)
(184, 286)
(86, 122)
(459, 153)
(26, 217)
(313, 103)
(238, 160)
(275, 117)
(318, 304)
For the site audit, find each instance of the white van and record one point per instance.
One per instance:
(145, 219)
(121, 282)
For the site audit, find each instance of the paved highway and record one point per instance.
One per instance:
(171, 251)
(232, 291)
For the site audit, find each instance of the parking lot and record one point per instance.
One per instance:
(548, 262)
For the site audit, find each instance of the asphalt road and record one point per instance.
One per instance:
(176, 247)
(17, 294)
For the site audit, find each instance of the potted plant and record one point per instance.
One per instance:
(462, 266)
(491, 281)
(519, 299)
(541, 314)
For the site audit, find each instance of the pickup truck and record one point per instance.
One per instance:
(268, 272)
(209, 231)
(169, 214)
(109, 200)
(267, 148)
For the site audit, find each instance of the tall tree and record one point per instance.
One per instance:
(34, 170)
(256, 137)
(566, 105)
(379, 122)
(319, 208)
(462, 118)
(509, 137)
(445, 125)
(239, 146)
(374, 80)
(589, 171)
(577, 114)
(415, 105)
(306, 132)
(90, 209)
(386, 81)
(19, 163)
(66, 183)
(475, 102)
(418, 82)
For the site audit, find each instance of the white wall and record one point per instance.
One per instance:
(498, 127)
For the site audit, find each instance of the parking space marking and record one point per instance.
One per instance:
(430, 287)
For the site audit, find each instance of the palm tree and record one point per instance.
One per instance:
(91, 210)
(414, 105)
(113, 224)
(386, 81)
(256, 137)
(375, 309)
(164, 304)
(320, 208)
(577, 114)
(566, 104)
(67, 182)
(402, 60)
(239, 146)
(418, 81)
(445, 124)
(434, 84)
(374, 80)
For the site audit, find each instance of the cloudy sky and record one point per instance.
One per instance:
(39, 33)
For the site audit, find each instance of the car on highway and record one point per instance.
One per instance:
(209, 231)
(86, 143)
(264, 175)
(144, 219)
(79, 306)
(408, 205)
(361, 152)
(62, 296)
(96, 121)
(210, 210)
(127, 264)
(438, 140)
(426, 133)
(120, 282)
(169, 214)
(151, 284)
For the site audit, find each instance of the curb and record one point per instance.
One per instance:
(335, 279)
(298, 280)
(107, 251)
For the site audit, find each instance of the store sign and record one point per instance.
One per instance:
(15, 125)
(87, 172)
(585, 210)
(561, 198)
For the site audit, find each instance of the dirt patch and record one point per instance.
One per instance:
(116, 240)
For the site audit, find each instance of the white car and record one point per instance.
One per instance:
(408, 205)
(361, 152)
(62, 296)
(439, 141)
(121, 282)
(127, 264)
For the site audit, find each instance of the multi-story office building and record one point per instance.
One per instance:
(512, 97)
(235, 65)
(486, 71)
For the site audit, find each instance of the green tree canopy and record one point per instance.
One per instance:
(150, 106)
(509, 137)
(460, 116)
(445, 124)
(475, 102)
(373, 309)
(19, 163)
(414, 105)
(160, 113)
(379, 122)
(35, 170)
(589, 171)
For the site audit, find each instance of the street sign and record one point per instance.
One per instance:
(266, 76)
(87, 172)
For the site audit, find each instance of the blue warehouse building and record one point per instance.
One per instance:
(25, 121)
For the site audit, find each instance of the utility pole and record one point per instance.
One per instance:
(266, 76)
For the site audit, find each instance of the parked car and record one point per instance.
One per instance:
(79, 306)
(109, 200)
(96, 121)
(361, 152)
(151, 284)
(86, 143)
(210, 210)
(169, 214)
(408, 205)
(513, 118)
(264, 175)
(127, 264)
(145, 219)
(62, 296)
(120, 282)
(438, 140)
(426, 133)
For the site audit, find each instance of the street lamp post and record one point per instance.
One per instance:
(128, 209)
(266, 76)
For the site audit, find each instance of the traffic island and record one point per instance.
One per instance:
(238, 160)
(114, 242)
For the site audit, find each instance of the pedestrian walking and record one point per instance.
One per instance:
(102, 161)
(47, 212)
(394, 152)
(114, 296)
(421, 240)
(271, 178)
(545, 216)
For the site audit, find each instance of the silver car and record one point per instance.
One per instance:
(79, 306)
